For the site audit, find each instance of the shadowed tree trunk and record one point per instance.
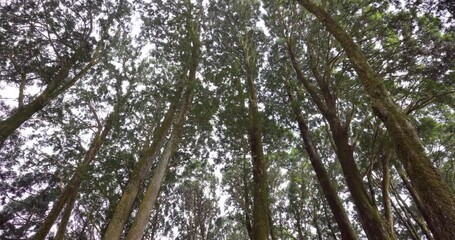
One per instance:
(151, 194)
(436, 196)
(246, 196)
(417, 201)
(60, 235)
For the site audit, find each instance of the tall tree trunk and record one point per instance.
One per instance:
(73, 185)
(347, 232)
(148, 201)
(435, 193)
(60, 235)
(261, 210)
(140, 172)
(329, 224)
(151, 194)
(372, 222)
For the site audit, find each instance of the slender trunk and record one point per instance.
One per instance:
(436, 196)
(66, 217)
(372, 222)
(155, 222)
(298, 223)
(406, 223)
(140, 172)
(329, 224)
(142, 169)
(151, 194)
(272, 232)
(22, 114)
(371, 187)
(73, 185)
(318, 228)
(386, 181)
(417, 201)
(260, 187)
(330, 194)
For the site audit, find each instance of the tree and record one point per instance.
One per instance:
(55, 49)
(434, 191)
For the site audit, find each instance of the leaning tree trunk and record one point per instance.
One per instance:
(347, 232)
(57, 86)
(153, 188)
(386, 181)
(70, 191)
(151, 194)
(60, 235)
(140, 172)
(436, 196)
(374, 225)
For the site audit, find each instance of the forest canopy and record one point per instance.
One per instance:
(240, 119)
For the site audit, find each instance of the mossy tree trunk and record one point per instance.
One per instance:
(436, 196)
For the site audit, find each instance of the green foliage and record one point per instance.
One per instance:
(208, 189)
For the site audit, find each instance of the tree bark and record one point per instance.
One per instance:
(417, 200)
(347, 232)
(435, 193)
(151, 194)
(246, 196)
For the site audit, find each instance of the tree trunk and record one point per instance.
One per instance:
(73, 185)
(246, 196)
(140, 172)
(260, 187)
(372, 222)
(66, 217)
(148, 201)
(406, 223)
(57, 86)
(435, 193)
(386, 178)
(417, 201)
(347, 232)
